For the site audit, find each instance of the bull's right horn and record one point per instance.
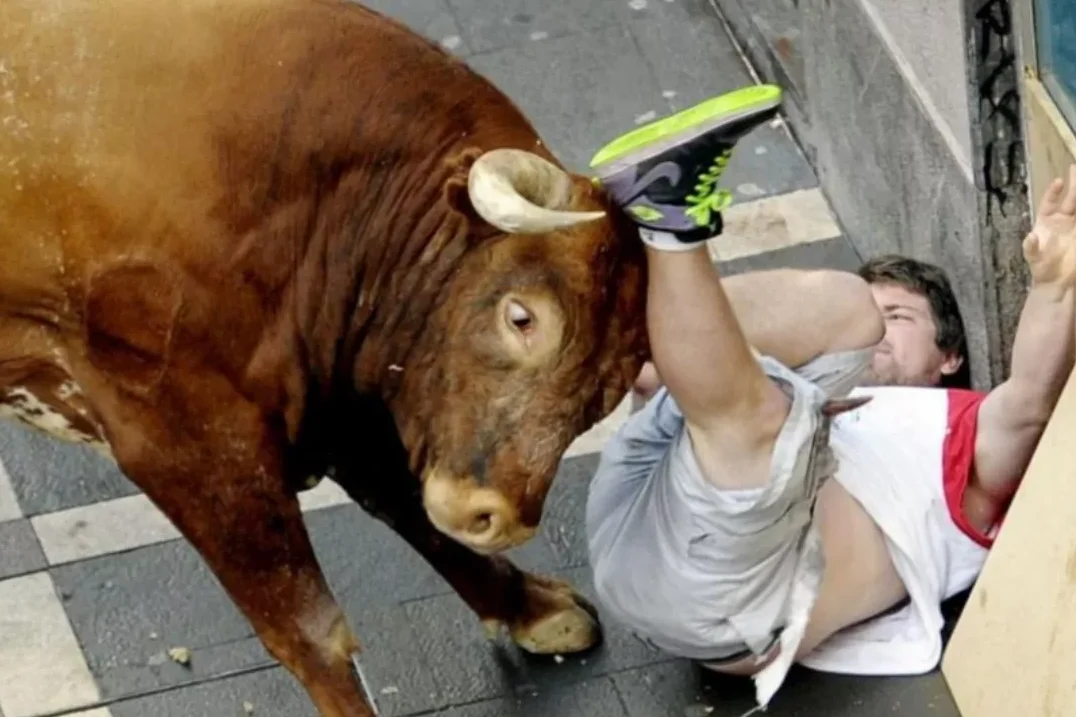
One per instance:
(521, 193)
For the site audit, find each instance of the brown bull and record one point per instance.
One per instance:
(247, 242)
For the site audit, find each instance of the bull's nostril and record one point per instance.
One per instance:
(481, 523)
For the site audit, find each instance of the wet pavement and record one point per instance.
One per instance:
(96, 588)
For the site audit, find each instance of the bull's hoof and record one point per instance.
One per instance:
(561, 621)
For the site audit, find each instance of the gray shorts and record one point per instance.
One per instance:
(705, 573)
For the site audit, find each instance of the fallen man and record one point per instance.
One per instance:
(714, 529)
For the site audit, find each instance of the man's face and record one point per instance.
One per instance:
(908, 355)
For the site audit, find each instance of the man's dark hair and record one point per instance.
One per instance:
(929, 281)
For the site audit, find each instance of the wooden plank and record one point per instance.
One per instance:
(1051, 143)
(1013, 653)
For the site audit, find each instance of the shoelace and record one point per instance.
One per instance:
(705, 202)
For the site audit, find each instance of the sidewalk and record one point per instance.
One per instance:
(95, 587)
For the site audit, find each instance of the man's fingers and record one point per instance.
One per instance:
(1069, 205)
(1031, 247)
(1051, 198)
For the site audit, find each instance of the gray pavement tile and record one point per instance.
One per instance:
(496, 24)
(579, 91)
(128, 610)
(593, 698)
(272, 693)
(836, 253)
(679, 688)
(369, 564)
(430, 18)
(396, 669)
(693, 57)
(49, 475)
(690, 52)
(563, 522)
(767, 163)
(466, 667)
(20, 552)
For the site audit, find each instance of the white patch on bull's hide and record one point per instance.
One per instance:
(22, 405)
(68, 389)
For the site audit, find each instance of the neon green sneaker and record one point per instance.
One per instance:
(665, 174)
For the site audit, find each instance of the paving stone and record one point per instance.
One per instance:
(681, 689)
(369, 564)
(128, 610)
(767, 163)
(564, 520)
(432, 19)
(690, 52)
(117, 603)
(19, 550)
(580, 91)
(48, 474)
(466, 667)
(693, 60)
(271, 692)
(593, 698)
(496, 24)
(836, 253)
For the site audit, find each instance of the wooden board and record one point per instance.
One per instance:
(1051, 144)
(1013, 653)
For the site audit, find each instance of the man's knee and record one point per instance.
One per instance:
(862, 323)
(646, 384)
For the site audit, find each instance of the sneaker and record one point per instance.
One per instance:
(665, 174)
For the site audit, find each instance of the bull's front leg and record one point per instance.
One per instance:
(214, 470)
(543, 615)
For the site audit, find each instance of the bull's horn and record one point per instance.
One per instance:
(520, 193)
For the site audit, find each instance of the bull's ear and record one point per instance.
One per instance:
(458, 199)
(455, 187)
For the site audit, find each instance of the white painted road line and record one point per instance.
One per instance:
(9, 504)
(131, 522)
(773, 223)
(42, 668)
(326, 495)
(99, 712)
(101, 528)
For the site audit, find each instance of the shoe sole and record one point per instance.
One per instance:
(656, 137)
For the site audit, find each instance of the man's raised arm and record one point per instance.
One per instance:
(1014, 415)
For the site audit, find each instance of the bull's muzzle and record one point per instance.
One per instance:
(479, 517)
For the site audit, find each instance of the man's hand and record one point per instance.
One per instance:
(1050, 248)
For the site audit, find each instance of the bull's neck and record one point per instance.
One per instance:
(375, 268)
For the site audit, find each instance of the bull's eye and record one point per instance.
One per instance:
(519, 317)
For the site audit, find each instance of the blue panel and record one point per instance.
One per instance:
(1055, 29)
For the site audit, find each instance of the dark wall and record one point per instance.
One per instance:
(889, 170)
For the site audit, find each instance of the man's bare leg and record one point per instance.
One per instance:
(702, 352)
(793, 315)
(665, 176)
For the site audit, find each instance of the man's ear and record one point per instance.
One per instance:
(952, 364)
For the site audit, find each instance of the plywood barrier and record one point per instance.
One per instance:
(1013, 653)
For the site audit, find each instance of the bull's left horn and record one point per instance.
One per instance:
(520, 193)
